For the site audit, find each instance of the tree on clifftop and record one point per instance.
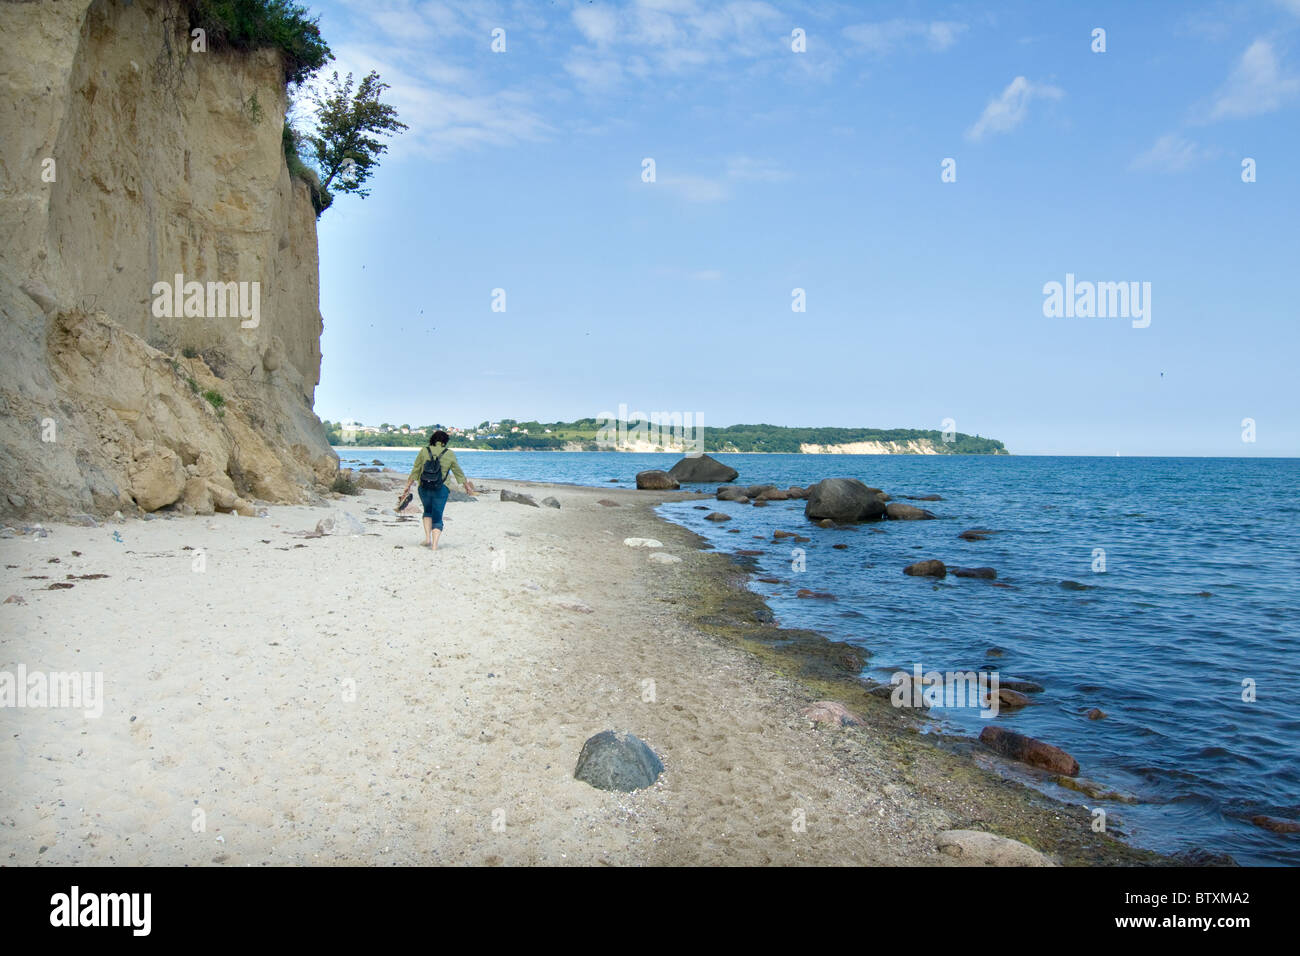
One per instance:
(344, 143)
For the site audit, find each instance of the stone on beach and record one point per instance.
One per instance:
(617, 761)
(518, 498)
(1029, 750)
(550, 502)
(655, 480)
(642, 543)
(844, 499)
(699, 469)
(988, 849)
(831, 713)
(659, 557)
(926, 569)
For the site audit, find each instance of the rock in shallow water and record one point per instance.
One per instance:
(617, 761)
(926, 569)
(701, 469)
(654, 480)
(1029, 750)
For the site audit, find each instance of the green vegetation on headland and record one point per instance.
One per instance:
(593, 434)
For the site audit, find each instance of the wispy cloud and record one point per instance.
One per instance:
(1258, 84)
(890, 35)
(1171, 153)
(738, 169)
(1008, 110)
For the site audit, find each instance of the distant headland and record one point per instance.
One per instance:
(667, 433)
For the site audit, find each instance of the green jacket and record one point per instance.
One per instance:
(448, 462)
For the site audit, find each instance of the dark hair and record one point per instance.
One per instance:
(439, 437)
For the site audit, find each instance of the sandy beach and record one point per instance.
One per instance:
(357, 699)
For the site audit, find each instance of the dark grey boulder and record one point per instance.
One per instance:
(654, 480)
(551, 502)
(617, 761)
(987, 573)
(844, 499)
(518, 498)
(900, 512)
(700, 469)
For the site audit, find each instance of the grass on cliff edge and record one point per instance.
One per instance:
(283, 25)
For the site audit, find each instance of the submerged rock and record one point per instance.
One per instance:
(617, 761)
(900, 512)
(986, 573)
(1276, 824)
(1029, 750)
(717, 516)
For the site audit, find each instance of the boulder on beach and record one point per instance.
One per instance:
(977, 848)
(643, 543)
(927, 569)
(617, 761)
(844, 499)
(519, 499)
(655, 480)
(831, 713)
(699, 469)
(900, 512)
(658, 557)
(549, 502)
(1029, 750)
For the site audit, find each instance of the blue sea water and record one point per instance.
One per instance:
(1199, 594)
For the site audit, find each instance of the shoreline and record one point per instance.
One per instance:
(223, 695)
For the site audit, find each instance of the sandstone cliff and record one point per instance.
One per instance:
(129, 159)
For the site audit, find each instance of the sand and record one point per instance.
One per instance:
(362, 700)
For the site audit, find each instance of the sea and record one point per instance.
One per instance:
(1162, 591)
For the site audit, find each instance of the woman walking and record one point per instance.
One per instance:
(432, 466)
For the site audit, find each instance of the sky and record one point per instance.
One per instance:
(823, 169)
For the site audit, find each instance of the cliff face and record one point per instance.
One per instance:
(917, 446)
(130, 159)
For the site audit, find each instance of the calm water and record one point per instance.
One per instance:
(1200, 592)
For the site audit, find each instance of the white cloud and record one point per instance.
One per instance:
(1170, 153)
(1257, 85)
(889, 35)
(739, 169)
(599, 24)
(1008, 110)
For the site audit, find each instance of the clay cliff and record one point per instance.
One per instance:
(130, 159)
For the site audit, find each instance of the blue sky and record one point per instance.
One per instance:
(821, 170)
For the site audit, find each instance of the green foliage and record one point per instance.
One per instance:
(344, 143)
(194, 386)
(190, 352)
(253, 24)
(320, 198)
(215, 399)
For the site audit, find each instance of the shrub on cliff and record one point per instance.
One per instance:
(252, 24)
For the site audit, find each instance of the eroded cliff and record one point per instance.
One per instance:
(130, 159)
